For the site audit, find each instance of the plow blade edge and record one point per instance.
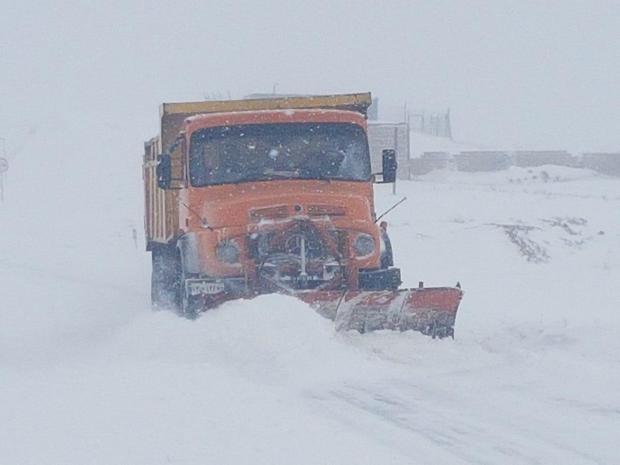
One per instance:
(431, 311)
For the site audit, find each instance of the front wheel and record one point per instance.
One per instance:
(166, 275)
(191, 305)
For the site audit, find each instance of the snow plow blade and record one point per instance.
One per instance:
(431, 311)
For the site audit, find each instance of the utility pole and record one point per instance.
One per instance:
(396, 149)
(4, 166)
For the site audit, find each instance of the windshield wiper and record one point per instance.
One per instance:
(280, 173)
(266, 176)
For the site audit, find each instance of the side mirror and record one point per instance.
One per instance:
(389, 165)
(164, 171)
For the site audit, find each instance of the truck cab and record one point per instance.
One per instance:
(270, 200)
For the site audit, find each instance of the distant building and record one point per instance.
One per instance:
(603, 162)
(388, 135)
(482, 160)
(524, 158)
(429, 161)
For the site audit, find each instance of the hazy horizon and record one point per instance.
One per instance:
(514, 74)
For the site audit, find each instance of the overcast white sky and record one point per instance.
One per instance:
(514, 73)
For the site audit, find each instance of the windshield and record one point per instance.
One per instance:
(258, 152)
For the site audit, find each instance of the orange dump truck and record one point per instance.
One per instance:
(275, 195)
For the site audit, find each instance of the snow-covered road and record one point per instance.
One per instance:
(89, 375)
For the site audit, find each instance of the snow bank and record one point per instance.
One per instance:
(539, 175)
(274, 339)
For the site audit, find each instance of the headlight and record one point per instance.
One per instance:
(364, 245)
(227, 252)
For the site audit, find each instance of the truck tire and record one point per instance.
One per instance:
(166, 278)
(190, 307)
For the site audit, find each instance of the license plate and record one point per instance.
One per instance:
(204, 287)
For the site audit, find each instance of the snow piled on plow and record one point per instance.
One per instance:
(273, 339)
(89, 374)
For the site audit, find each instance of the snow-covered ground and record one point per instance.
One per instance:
(90, 375)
